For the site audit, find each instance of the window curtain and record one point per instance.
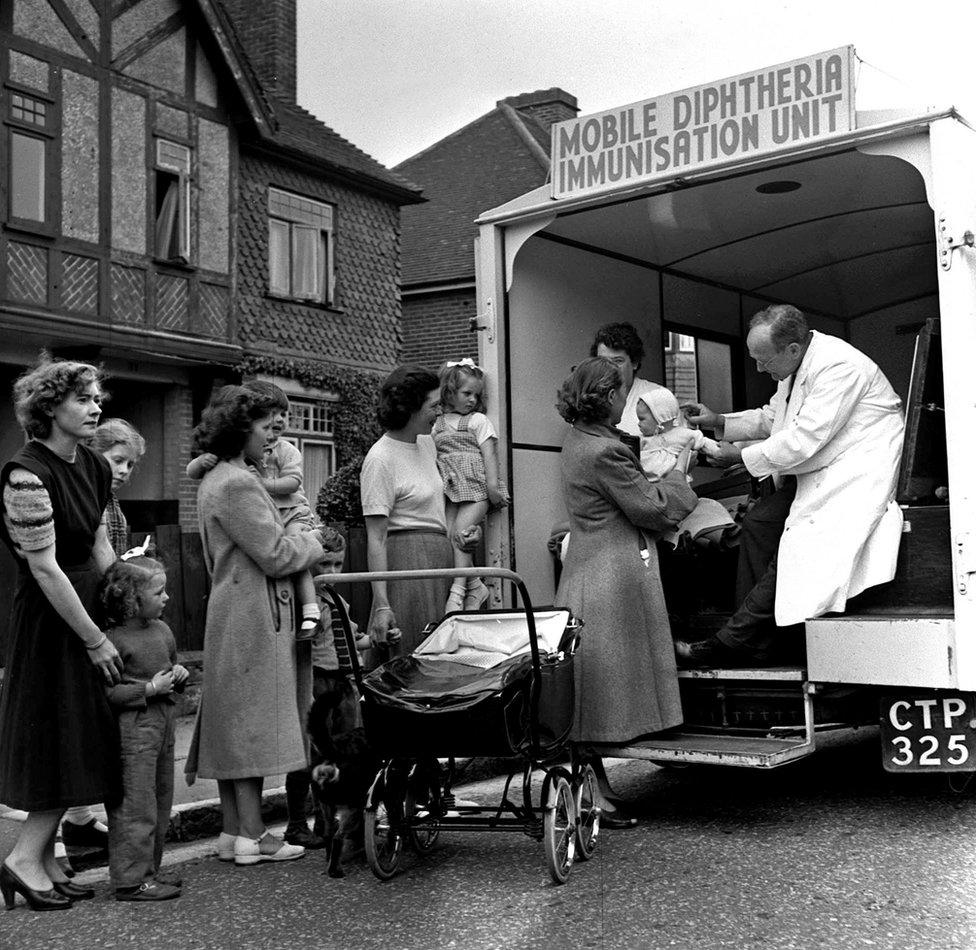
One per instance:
(167, 239)
(306, 266)
(278, 258)
(317, 457)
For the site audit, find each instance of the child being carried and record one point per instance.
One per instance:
(667, 441)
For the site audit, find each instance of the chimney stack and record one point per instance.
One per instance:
(267, 29)
(546, 106)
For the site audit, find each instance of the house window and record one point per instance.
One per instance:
(699, 369)
(310, 430)
(172, 179)
(30, 128)
(31, 111)
(28, 156)
(300, 247)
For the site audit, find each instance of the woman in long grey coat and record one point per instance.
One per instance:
(249, 724)
(626, 679)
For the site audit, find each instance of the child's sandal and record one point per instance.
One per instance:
(455, 600)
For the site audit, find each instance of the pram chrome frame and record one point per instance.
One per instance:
(411, 800)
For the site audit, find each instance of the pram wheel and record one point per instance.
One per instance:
(383, 844)
(383, 831)
(559, 829)
(417, 806)
(587, 812)
(423, 840)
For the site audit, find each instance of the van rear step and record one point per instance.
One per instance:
(772, 674)
(758, 717)
(689, 747)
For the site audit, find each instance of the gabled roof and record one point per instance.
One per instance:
(257, 102)
(300, 132)
(294, 130)
(488, 162)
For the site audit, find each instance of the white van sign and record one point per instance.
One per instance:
(774, 108)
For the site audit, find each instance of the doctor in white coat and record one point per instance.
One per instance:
(833, 434)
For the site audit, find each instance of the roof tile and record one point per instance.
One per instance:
(476, 168)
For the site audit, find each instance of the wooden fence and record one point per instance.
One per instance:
(187, 583)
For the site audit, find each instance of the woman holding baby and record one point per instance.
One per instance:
(626, 682)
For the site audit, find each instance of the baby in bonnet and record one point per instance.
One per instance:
(668, 441)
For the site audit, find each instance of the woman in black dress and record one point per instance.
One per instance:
(58, 740)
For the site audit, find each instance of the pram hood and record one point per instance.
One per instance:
(486, 639)
(466, 658)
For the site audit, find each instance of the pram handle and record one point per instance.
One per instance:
(330, 580)
(366, 576)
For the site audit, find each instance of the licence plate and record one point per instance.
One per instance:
(934, 732)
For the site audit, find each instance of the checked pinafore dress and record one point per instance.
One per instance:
(459, 461)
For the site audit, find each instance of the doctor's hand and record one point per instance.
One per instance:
(698, 414)
(726, 455)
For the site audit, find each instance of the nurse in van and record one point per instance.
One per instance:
(620, 343)
(831, 440)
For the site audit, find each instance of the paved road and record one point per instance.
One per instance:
(829, 853)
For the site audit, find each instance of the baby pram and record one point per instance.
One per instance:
(491, 683)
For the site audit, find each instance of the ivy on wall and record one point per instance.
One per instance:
(355, 427)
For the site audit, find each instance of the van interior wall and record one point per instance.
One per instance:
(559, 298)
(888, 337)
(562, 294)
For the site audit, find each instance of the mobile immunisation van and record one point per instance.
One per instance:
(685, 214)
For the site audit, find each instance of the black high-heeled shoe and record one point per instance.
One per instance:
(72, 891)
(11, 884)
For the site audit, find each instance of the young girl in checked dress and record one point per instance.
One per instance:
(467, 458)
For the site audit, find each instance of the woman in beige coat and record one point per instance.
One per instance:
(249, 724)
(626, 680)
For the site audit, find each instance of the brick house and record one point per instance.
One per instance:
(493, 159)
(167, 210)
(318, 267)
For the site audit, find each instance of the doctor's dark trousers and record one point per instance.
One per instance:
(137, 827)
(752, 627)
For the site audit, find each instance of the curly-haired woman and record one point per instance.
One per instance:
(403, 501)
(249, 725)
(58, 740)
(625, 673)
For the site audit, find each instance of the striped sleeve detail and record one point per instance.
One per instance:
(27, 511)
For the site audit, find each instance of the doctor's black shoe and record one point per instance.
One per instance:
(710, 653)
(148, 891)
(301, 835)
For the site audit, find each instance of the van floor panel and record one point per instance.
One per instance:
(889, 613)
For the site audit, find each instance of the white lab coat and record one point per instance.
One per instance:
(840, 433)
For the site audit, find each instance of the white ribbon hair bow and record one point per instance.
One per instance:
(139, 550)
(467, 361)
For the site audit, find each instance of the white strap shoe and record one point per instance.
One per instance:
(248, 850)
(225, 846)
